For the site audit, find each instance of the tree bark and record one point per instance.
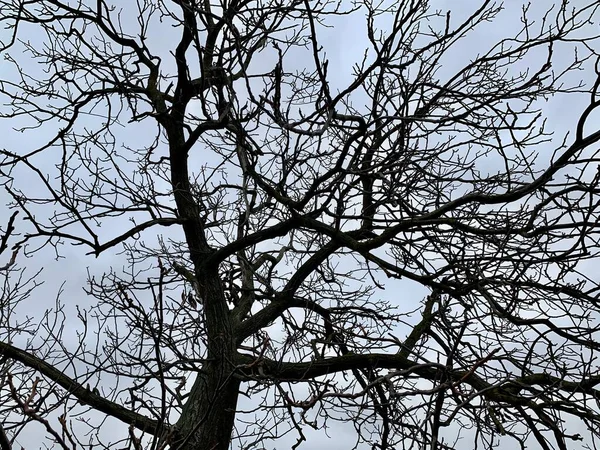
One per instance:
(207, 418)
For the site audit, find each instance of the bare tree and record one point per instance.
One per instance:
(262, 208)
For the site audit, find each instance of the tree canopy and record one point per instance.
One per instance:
(313, 212)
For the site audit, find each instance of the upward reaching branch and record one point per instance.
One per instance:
(355, 212)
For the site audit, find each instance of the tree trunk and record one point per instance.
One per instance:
(207, 418)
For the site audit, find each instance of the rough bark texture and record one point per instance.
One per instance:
(208, 416)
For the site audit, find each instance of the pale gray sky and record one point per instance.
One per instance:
(344, 45)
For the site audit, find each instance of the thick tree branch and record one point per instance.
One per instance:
(4, 442)
(83, 394)
(503, 392)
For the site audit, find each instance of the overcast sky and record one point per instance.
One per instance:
(344, 45)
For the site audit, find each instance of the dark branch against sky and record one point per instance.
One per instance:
(260, 219)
